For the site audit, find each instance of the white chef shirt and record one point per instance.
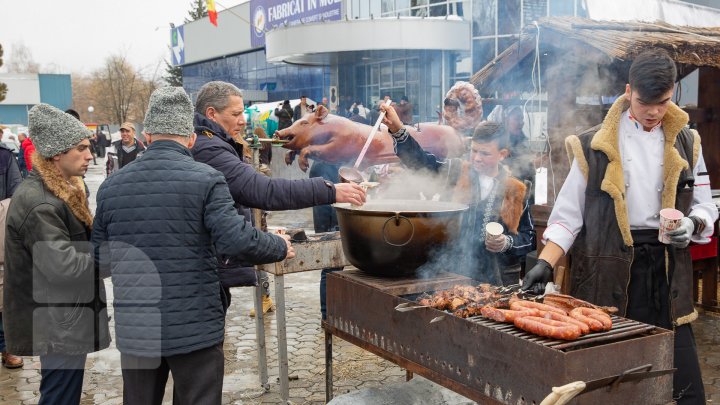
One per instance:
(642, 158)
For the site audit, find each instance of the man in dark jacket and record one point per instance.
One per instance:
(284, 113)
(21, 155)
(219, 115)
(301, 109)
(168, 301)
(10, 178)
(125, 150)
(51, 280)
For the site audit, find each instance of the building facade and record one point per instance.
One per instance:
(27, 90)
(362, 50)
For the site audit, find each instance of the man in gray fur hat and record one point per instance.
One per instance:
(169, 314)
(50, 275)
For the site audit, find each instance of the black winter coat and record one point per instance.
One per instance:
(54, 299)
(10, 176)
(165, 217)
(252, 189)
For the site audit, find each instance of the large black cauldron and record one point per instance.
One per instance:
(392, 238)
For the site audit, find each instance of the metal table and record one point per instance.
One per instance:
(318, 252)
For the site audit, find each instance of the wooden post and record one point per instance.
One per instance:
(709, 99)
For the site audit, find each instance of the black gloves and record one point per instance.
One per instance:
(537, 277)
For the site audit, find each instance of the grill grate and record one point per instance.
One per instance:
(622, 328)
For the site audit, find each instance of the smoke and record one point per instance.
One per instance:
(406, 184)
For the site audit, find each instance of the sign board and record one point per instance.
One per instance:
(268, 14)
(177, 45)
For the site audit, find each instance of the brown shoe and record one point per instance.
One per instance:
(267, 306)
(11, 361)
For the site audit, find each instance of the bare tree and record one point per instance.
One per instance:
(83, 97)
(115, 87)
(3, 86)
(146, 85)
(22, 60)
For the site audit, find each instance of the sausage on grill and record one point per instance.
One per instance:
(584, 328)
(548, 327)
(506, 315)
(523, 304)
(595, 318)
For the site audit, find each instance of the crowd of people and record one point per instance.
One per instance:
(189, 237)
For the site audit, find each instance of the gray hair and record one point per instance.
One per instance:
(216, 95)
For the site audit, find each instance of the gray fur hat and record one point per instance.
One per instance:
(53, 131)
(169, 112)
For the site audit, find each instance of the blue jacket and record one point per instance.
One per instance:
(251, 189)
(165, 218)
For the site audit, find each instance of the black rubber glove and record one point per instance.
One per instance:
(537, 277)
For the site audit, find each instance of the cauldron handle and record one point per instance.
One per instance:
(397, 218)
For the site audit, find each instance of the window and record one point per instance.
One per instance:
(509, 17)
(483, 52)
(484, 17)
(399, 73)
(413, 71)
(562, 7)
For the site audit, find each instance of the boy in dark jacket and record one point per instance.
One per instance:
(493, 195)
(169, 314)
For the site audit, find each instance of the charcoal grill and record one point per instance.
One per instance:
(487, 361)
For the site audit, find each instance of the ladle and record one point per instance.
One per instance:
(352, 174)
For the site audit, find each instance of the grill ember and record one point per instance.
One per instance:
(558, 317)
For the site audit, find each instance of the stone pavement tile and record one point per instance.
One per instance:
(19, 396)
(35, 387)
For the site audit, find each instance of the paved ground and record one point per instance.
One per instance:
(353, 368)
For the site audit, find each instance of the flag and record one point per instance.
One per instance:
(212, 13)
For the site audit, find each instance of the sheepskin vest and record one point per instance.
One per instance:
(603, 251)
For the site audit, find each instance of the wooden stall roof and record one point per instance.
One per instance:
(604, 42)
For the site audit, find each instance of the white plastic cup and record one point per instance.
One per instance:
(493, 229)
(670, 219)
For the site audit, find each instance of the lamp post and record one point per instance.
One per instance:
(90, 110)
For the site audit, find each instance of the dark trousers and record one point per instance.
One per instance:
(649, 302)
(2, 335)
(61, 379)
(323, 289)
(325, 220)
(197, 377)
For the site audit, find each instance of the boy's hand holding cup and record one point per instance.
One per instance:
(495, 241)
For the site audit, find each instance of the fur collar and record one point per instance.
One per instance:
(606, 141)
(73, 193)
(513, 202)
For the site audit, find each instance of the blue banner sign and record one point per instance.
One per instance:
(268, 14)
